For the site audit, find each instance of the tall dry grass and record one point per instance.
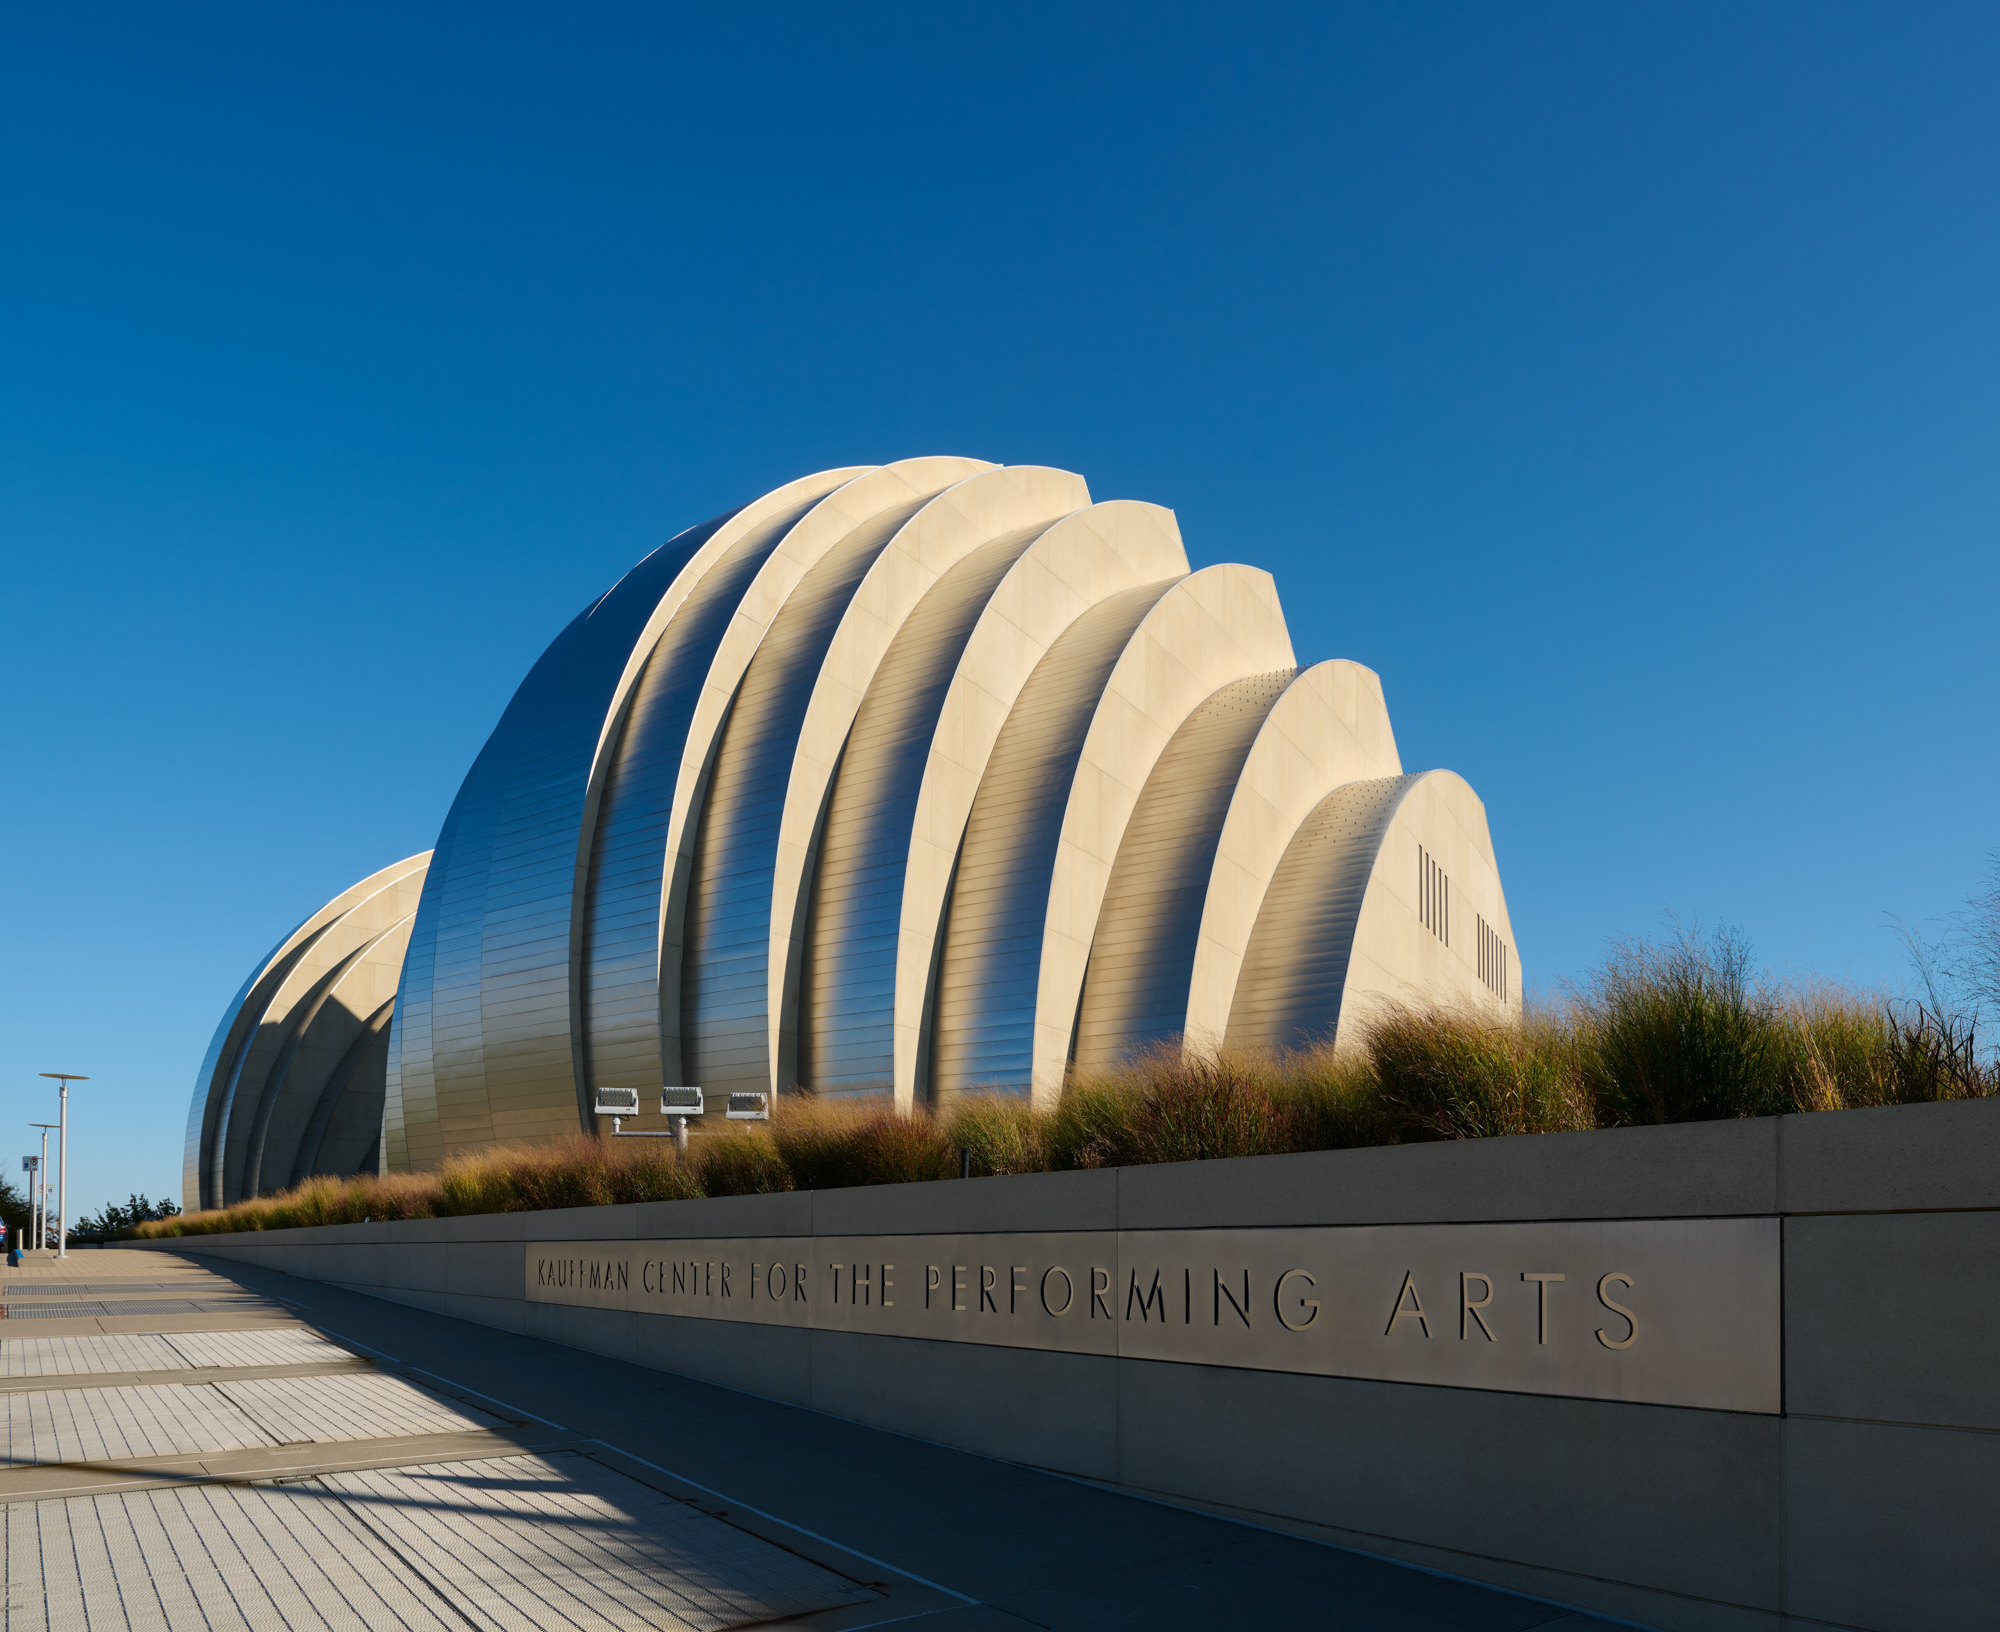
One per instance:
(1673, 1033)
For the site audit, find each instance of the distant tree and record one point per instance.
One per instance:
(14, 1208)
(116, 1220)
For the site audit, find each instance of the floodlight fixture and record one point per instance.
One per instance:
(677, 1104)
(617, 1101)
(749, 1108)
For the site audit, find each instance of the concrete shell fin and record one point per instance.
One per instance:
(1330, 727)
(1220, 624)
(256, 1067)
(1109, 550)
(1377, 902)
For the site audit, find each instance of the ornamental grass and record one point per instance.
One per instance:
(1660, 1034)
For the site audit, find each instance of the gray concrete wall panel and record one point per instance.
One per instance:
(1891, 1527)
(1057, 1411)
(1702, 1170)
(1696, 1519)
(1878, 1304)
(1544, 1482)
(1895, 1159)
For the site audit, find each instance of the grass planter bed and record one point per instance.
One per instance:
(1659, 1036)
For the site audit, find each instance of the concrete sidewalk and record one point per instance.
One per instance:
(178, 1455)
(961, 1542)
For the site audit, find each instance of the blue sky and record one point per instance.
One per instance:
(1619, 382)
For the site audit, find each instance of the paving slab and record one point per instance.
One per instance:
(120, 1424)
(522, 1543)
(1004, 1545)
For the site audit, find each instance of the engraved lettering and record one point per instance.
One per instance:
(1097, 1290)
(1015, 1286)
(1309, 1305)
(836, 1269)
(798, 1283)
(989, 1278)
(1187, 1297)
(625, 1275)
(933, 1279)
(862, 1285)
(1408, 1293)
(1469, 1305)
(1542, 1279)
(753, 1280)
(680, 1278)
(1154, 1298)
(774, 1282)
(646, 1276)
(1069, 1290)
(887, 1286)
(1223, 1294)
(725, 1279)
(957, 1289)
(1631, 1321)
(708, 1280)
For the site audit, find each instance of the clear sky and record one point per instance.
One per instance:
(1619, 382)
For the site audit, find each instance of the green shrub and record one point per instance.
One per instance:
(1674, 1034)
(1444, 1076)
(1170, 1107)
(1002, 1132)
(742, 1162)
(832, 1145)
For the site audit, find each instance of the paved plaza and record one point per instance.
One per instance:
(229, 1448)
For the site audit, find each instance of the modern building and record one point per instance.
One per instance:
(899, 782)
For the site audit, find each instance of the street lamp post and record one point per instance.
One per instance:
(42, 1189)
(64, 1078)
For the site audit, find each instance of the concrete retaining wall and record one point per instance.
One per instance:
(1869, 1498)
